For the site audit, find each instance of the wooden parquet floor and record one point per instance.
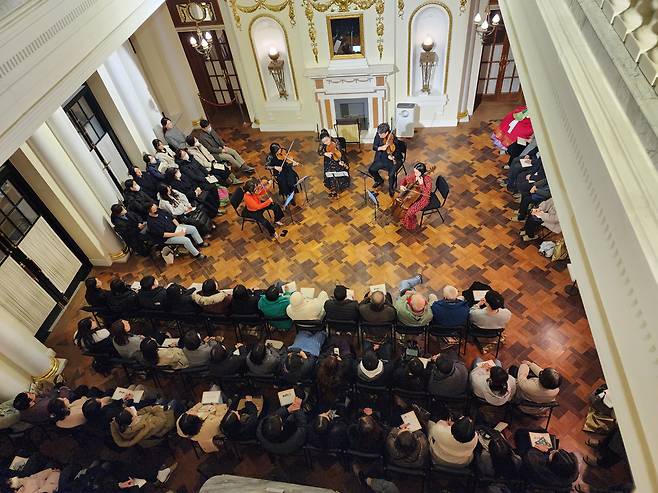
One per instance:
(338, 241)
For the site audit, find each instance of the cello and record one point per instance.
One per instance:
(406, 198)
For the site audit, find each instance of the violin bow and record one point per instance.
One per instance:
(288, 151)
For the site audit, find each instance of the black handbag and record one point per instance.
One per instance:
(199, 219)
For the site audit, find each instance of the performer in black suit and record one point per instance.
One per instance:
(384, 159)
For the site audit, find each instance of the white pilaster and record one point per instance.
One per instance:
(13, 380)
(24, 351)
(48, 149)
(62, 127)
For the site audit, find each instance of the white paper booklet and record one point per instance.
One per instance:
(478, 295)
(308, 293)
(287, 397)
(211, 397)
(378, 287)
(121, 393)
(411, 419)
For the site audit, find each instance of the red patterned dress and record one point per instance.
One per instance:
(409, 219)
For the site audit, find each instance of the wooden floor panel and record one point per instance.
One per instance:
(338, 241)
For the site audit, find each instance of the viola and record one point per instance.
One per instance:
(390, 143)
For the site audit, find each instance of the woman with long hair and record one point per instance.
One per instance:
(170, 357)
(91, 338)
(336, 169)
(172, 134)
(283, 168)
(421, 182)
(172, 201)
(165, 154)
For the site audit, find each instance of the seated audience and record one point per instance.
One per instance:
(151, 295)
(492, 383)
(367, 434)
(33, 406)
(136, 199)
(241, 419)
(448, 376)
(125, 343)
(450, 311)
(224, 362)
(413, 309)
(274, 304)
(499, 460)
(91, 338)
(410, 374)
(309, 342)
(284, 431)
(67, 414)
(201, 424)
(175, 203)
(536, 384)
(490, 312)
(244, 301)
(333, 380)
(327, 431)
(43, 481)
(452, 444)
(131, 227)
(407, 449)
(153, 167)
(297, 366)
(208, 161)
(372, 370)
(179, 300)
(171, 357)
(165, 155)
(301, 308)
(534, 191)
(340, 308)
(220, 151)
(377, 308)
(263, 359)
(197, 350)
(165, 229)
(172, 134)
(146, 427)
(122, 299)
(211, 299)
(99, 413)
(95, 295)
(146, 181)
(554, 469)
(543, 215)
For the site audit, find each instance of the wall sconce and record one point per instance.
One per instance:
(275, 67)
(199, 12)
(427, 63)
(483, 27)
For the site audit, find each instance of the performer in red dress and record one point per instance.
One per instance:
(423, 184)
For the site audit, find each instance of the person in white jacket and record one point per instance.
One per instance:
(301, 308)
(175, 203)
(452, 444)
(537, 385)
(545, 215)
(491, 382)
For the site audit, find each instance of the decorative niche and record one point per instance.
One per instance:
(430, 20)
(267, 34)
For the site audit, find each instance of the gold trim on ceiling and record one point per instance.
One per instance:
(253, 51)
(250, 9)
(332, 55)
(447, 63)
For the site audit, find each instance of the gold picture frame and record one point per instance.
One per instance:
(352, 45)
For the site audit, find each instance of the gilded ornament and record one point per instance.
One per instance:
(250, 9)
(400, 9)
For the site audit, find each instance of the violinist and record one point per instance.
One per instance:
(420, 184)
(282, 165)
(388, 157)
(335, 162)
(257, 201)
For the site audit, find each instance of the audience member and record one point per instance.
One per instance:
(284, 431)
(413, 309)
(498, 460)
(172, 134)
(99, 413)
(208, 161)
(372, 370)
(535, 384)
(175, 203)
(122, 299)
(452, 444)
(377, 308)
(448, 376)
(491, 382)
(333, 379)
(225, 362)
(131, 227)
(91, 338)
(33, 406)
(309, 342)
(44, 481)
(490, 312)
(301, 308)
(245, 301)
(367, 434)
(273, 305)
(201, 424)
(125, 343)
(263, 359)
(241, 420)
(146, 427)
(151, 295)
(153, 167)
(406, 448)
(165, 155)
(171, 357)
(135, 199)
(67, 414)
(216, 146)
(327, 431)
(451, 311)
(146, 182)
(410, 374)
(554, 469)
(297, 366)
(165, 229)
(197, 350)
(95, 295)
(211, 299)
(545, 215)
(340, 308)
(179, 300)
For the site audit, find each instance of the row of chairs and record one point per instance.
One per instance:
(210, 323)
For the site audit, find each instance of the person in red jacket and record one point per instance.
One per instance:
(257, 201)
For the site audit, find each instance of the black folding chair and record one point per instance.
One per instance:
(341, 326)
(365, 456)
(441, 332)
(408, 330)
(376, 330)
(236, 199)
(407, 472)
(544, 410)
(477, 333)
(308, 325)
(443, 189)
(246, 321)
(462, 476)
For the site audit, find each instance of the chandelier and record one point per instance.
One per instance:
(202, 42)
(485, 27)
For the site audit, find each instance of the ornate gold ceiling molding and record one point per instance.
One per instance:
(400, 9)
(310, 6)
(250, 9)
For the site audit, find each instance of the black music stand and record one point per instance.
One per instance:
(301, 183)
(374, 201)
(365, 175)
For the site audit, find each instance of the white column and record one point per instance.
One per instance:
(77, 150)
(24, 351)
(121, 79)
(48, 149)
(13, 380)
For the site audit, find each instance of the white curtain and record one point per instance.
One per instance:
(22, 298)
(50, 253)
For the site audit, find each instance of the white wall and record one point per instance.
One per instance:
(603, 182)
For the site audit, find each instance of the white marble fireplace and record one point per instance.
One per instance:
(347, 88)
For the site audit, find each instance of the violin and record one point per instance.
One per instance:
(286, 156)
(333, 149)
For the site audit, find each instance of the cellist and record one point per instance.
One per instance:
(419, 183)
(388, 157)
(335, 162)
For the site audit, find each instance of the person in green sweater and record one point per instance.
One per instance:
(273, 304)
